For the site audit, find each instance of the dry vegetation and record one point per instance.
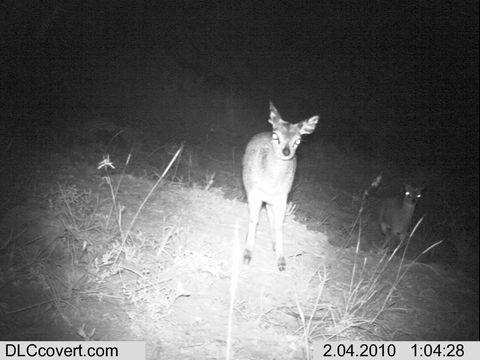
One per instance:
(145, 245)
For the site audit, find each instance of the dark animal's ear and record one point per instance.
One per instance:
(407, 188)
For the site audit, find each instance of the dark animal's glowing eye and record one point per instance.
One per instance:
(407, 193)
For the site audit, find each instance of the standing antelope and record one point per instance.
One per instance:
(396, 215)
(269, 165)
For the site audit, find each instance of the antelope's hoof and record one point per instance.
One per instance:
(282, 265)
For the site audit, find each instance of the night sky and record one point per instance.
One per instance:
(402, 74)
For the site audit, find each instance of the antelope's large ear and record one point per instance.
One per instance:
(407, 188)
(274, 115)
(308, 126)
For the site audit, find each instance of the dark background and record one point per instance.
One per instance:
(394, 80)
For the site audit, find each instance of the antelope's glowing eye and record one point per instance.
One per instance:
(275, 137)
(407, 193)
(297, 142)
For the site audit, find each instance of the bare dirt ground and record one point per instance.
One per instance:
(66, 274)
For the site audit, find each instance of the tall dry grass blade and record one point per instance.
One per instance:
(127, 233)
(115, 193)
(307, 325)
(236, 254)
(406, 245)
(317, 300)
(304, 324)
(400, 274)
(373, 186)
